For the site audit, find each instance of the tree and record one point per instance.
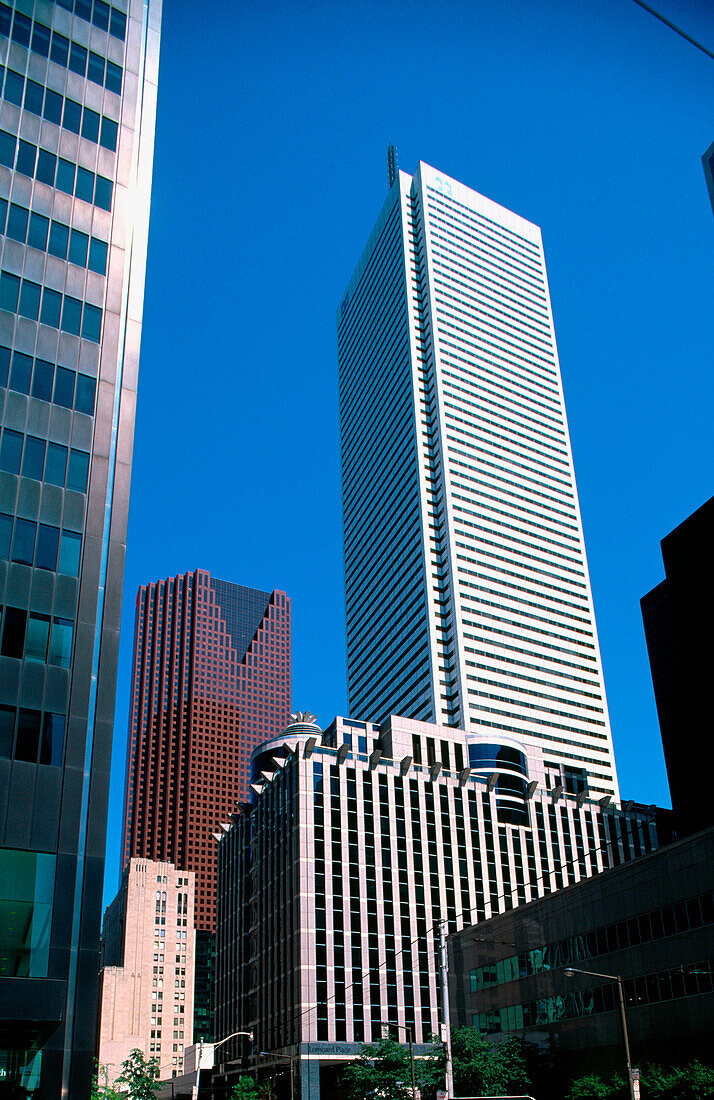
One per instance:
(592, 1087)
(101, 1089)
(482, 1068)
(383, 1070)
(246, 1089)
(140, 1075)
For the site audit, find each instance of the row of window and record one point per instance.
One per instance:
(56, 172)
(64, 112)
(32, 637)
(29, 227)
(664, 985)
(32, 735)
(39, 38)
(40, 544)
(39, 303)
(653, 925)
(99, 13)
(44, 380)
(52, 463)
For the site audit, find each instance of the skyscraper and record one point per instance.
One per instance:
(76, 149)
(211, 680)
(678, 618)
(468, 600)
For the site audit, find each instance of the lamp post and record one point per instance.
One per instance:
(569, 971)
(194, 1091)
(407, 1028)
(284, 1058)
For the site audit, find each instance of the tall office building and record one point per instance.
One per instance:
(77, 117)
(211, 680)
(360, 841)
(146, 1000)
(468, 600)
(678, 618)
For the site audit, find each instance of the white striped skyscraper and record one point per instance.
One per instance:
(468, 600)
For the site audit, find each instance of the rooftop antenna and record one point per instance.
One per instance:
(392, 165)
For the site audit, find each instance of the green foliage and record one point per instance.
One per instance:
(383, 1070)
(101, 1089)
(592, 1087)
(691, 1082)
(141, 1075)
(482, 1068)
(246, 1089)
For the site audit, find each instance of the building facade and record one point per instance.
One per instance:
(147, 974)
(360, 842)
(650, 921)
(678, 617)
(77, 114)
(468, 601)
(211, 680)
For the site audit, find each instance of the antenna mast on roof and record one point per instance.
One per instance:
(392, 165)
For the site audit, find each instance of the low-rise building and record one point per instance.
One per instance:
(649, 921)
(148, 953)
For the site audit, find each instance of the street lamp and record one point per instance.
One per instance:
(407, 1028)
(569, 971)
(284, 1058)
(194, 1091)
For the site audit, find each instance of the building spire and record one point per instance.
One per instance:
(392, 164)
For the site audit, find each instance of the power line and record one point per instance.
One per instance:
(675, 28)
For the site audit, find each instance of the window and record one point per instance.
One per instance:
(10, 451)
(28, 735)
(41, 40)
(84, 186)
(23, 543)
(59, 240)
(13, 632)
(17, 223)
(78, 59)
(37, 236)
(28, 886)
(78, 245)
(59, 50)
(98, 256)
(46, 168)
(78, 471)
(56, 464)
(61, 642)
(5, 535)
(66, 172)
(84, 394)
(90, 125)
(7, 728)
(21, 372)
(64, 383)
(37, 637)
(91, 323)
(26, 158)
(72, 116)
(33, 458)
(71, 322)
(109, 134)
(103, 193)
(47, 545)
(70, 551)
(52, 745)
(51, 306)
(30, 300)
(9, 292)
(34, 94)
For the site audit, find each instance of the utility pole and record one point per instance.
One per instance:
(445, 1025)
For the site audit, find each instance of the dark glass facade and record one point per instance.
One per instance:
(650, 921)
(211, 680)
(678, 616)
(77, 114)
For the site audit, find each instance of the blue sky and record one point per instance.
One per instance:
(589, 119)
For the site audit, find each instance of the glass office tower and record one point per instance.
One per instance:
(468, 601)
(77, 121)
